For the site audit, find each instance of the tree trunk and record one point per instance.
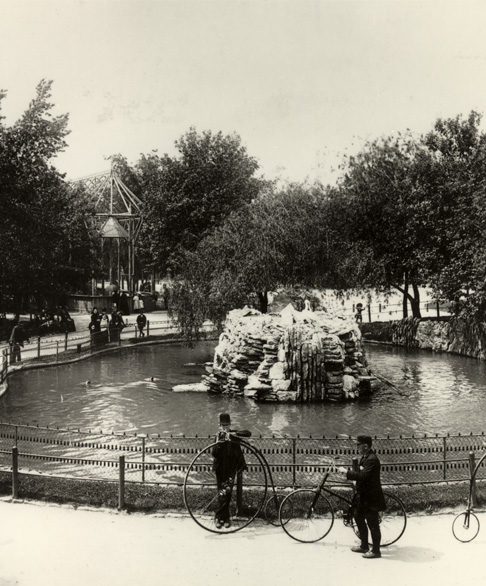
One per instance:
(415, 302)
(405, 296)
(263, 301)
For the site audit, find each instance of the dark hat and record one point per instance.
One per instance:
(364, 439)
(224, 419)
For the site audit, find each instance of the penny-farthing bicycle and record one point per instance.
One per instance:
(465, 526)
(247, 490)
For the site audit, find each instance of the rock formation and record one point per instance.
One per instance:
(297, 356)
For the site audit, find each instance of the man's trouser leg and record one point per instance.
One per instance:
(225, 488)
(360, 518)
(373, 520)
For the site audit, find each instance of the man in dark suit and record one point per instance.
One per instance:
(228, 461)
(369, 500)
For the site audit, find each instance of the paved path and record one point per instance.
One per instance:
(47, 545)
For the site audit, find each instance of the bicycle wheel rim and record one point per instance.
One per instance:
(465, 526)
(304, 517)
(393, 520)
(201, 493)
(272, 506)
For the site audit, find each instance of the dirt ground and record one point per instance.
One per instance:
(52, 545)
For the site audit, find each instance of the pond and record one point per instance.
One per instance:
(438, 393)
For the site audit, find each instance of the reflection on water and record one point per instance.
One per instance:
(437, 393)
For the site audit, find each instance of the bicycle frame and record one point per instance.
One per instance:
(470, 505)
(324, 489)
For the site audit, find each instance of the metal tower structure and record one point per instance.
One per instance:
(118, 218)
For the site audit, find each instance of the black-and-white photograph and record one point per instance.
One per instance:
(242, 292)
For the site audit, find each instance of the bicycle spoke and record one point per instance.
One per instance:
(305, 518)
(227, 505)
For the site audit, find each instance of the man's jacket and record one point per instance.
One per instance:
(368, 484)
(228, 459)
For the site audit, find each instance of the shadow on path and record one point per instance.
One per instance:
(411, 553)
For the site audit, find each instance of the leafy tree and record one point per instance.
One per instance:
(186, 196)
(457, 167)
(380, 210)
(43, 226)
(282, 238)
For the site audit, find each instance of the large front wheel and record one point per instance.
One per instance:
(393, 520)
(238, 502)
(306, 515)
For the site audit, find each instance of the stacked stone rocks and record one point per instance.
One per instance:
(293, 356)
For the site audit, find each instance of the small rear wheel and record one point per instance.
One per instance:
(465, 526)
(306, 516)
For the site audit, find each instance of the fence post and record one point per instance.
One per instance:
(294, 460)
(121, 483)
(15, 472)
(472, 466)
(57, 350)
(143, 458)
(438, 308)
(444, 449)
(239, 492)
(16, 435)
(369, 313)
(65, 341)
(38, 347)
(148, 328)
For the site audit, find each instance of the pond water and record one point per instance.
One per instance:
(438, 393)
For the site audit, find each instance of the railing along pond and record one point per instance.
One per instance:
(295, 461)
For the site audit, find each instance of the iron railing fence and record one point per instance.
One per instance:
(68, 346)
(295, 461)
(383, 311)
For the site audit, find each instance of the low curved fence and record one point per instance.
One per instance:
(69, 346)
(296, 461)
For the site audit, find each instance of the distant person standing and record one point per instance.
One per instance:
(165, 296)
(16, 342)
(115, 297)
(95, 323)
(359, 312)
(105, 318)
(138, 302)
(141, 323)
(123, 307)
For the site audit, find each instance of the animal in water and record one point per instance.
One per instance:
(87, 383)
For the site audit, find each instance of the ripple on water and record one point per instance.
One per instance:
(437, 393)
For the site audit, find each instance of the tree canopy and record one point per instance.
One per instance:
(188, 195)
(44, 234)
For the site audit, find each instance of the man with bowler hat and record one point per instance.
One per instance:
(228, 461)
(369, 499)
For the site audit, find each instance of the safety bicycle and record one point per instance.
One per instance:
(307, 515)
(247, 490)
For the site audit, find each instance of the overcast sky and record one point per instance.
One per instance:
(300, 81)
